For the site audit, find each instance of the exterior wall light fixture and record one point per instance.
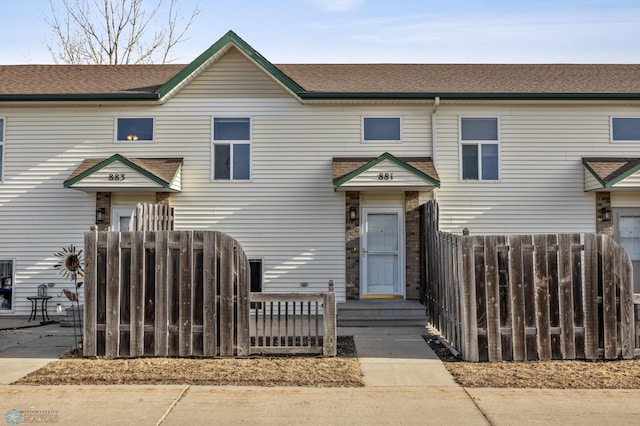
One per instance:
(352, 213)
(605, 213)
(100, 214)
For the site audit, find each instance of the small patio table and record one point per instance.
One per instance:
(44, 301)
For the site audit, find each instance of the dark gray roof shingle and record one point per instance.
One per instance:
(341, 78)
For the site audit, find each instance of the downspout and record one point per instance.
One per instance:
(434, 144)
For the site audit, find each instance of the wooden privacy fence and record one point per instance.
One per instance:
(530, 297)
(182, 293)
(152, 217)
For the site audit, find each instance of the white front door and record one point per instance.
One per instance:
(382, 253)
(120, 218)
(627, 233)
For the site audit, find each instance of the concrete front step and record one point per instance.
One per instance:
(381, 313)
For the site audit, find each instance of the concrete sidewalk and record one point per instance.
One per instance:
(406, 384)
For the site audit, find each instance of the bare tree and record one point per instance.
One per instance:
(116, 31)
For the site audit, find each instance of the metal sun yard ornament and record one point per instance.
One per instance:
(70, 263)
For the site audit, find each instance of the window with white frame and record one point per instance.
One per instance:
(231, 148)
(7, 281)
(479, 149)
(625, 129)
(381, 129)
(134, 129)
(1, 149)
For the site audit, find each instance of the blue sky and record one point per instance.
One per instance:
(381, 31)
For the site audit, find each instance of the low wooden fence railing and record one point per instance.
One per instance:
(186, 294)
(531, 297)
(292, 323)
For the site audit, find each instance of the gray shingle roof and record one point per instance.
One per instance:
(84, 79)
(466, 78)
(341, 78)
(609, 169)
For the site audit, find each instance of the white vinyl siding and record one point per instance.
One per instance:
(234, 77)
(541, 174)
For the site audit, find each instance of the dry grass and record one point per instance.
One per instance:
(620, 374)
(342, 371)
(285, 371)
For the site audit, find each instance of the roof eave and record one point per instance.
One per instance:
(464, 96)
(79, 97)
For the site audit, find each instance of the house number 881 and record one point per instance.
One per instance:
(385, 176)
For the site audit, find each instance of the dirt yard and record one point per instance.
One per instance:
(619, 374)
(341, 371)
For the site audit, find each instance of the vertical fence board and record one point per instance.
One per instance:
(226, 296)
(112, 329)
(542, 298)
(578, 292)
(329, 322)
(627, 340)
(161, 333)
(173, 293)
(553, 299)
(89, 340)
(516, 282)
(591, 320)
(567, 336)
(609, 299)
(469, 301)
(184, 298)
(210, 272)
(244, 287)
(137, 295)
(494, 343)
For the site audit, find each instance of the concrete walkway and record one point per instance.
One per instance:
(406, 384)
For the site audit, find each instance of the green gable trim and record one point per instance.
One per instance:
(117, 157)
(233, 38)
(386, 156)
(612, 182)
(594, 174)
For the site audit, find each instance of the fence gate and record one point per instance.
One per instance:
(165, 293)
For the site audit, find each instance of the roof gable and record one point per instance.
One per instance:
(119, 173)
(611, 173)
(215, 52)
(384, 172)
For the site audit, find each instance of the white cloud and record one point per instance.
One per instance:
(338, 5)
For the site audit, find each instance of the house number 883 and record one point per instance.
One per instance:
(385, 176)
(113, 177)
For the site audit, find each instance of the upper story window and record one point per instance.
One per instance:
(625, 129)
(231, 148)
(135, 129)
(1, 149)
(479, 148)
(381, 129)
